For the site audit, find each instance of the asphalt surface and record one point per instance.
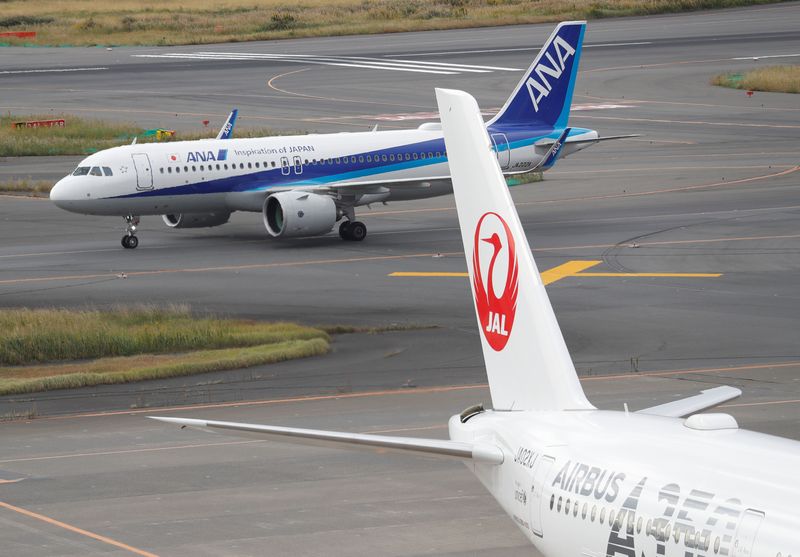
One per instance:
(710, 187)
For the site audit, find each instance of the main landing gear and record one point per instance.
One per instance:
(129, 240)
(353, 231)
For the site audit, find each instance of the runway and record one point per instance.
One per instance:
(709, 189)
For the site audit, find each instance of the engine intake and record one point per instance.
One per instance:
(290, 214)
(196, 220)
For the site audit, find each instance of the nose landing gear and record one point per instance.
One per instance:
(130, 241)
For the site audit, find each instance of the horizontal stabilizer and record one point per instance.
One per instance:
(705, 400)
(606, 138)
(486, 453)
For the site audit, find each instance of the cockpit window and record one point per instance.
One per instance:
(95, 171)
(107, 171)
(81, 171)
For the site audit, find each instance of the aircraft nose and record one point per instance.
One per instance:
(58, 194)
(63, 194)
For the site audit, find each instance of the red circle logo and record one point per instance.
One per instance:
(495, 279)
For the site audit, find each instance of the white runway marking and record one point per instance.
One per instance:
(489, 51)
(53, 70)
(767, 56)
(440, 68)
(406, 116)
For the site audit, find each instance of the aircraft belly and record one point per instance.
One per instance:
(419, 190)
(155, 205)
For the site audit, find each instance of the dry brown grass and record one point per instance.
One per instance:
(26, 187)
(777, 79)
(167, 22)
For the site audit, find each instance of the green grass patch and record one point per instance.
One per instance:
(26, 187)
(83, 136)
(527, 178)
(107, 371)
(777, 79)
(46, 335)
(46, 349)
(173, 22)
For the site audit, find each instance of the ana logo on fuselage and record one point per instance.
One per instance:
(205, 156)
(539, 88)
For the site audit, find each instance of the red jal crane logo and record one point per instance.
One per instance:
(495, 244)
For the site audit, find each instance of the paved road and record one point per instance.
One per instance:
(711, 187)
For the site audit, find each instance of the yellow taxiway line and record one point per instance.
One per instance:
(569, 269)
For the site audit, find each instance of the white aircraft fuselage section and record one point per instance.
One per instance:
(646, 492)
(237, 174)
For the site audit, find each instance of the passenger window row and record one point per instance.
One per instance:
(217, 166)
(660, 528)
(92, 171)
(338, 160)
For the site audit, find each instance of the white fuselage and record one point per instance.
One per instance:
(238, 174)
(600, 483)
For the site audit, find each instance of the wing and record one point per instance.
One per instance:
(480, 452)
(685, 406)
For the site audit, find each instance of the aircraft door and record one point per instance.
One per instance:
(285, 168)
(144, 172)
(539, 492)
(746, 533)
(502, 149)
(298, 165)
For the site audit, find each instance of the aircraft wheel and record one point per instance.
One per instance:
(130, 242)
(343, 230)
(357, 231)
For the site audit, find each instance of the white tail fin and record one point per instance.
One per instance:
(527, 361)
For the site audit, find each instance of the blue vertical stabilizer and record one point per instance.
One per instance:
(544, 95)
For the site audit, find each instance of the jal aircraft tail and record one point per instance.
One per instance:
(544, 94)
(527, 361)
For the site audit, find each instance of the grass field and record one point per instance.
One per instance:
(83, 136)
(27, 187)
(778, 79)
(57, 349)
(170, 22)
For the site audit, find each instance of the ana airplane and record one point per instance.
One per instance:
(576, 480)
(303, 185)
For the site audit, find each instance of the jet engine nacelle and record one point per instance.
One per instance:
(196, 220)
(290, 214)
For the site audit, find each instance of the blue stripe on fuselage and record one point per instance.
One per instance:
(324, 174)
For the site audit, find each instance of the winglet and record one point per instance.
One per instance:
(553, 152)
(527, 361)
(226, 131)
